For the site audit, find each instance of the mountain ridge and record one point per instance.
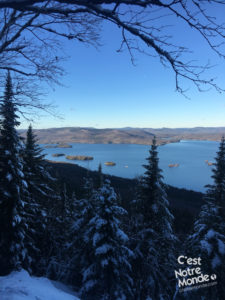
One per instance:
(126, 135)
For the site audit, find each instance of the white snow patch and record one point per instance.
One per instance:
(122, 235)
(21, 286)
(25, 184)
(17, 219)
(103, 249)
(9, 176)
(100, 222)
(20, 173)
(210, 234)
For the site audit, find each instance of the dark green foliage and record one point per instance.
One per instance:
(106, 269)
(13, 193)
(152, 227)
(79, 249)
(100, 177)
(182, 201)
(208, 238)
(45, 229)
(44, 211)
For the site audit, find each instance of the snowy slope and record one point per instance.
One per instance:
(21, 286)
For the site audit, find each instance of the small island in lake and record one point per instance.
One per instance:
(110, 163)
(50, 146)
(58, 146)
(64, 146)
(209, 163)
(79, 157)
(58, 154)
(173, 165)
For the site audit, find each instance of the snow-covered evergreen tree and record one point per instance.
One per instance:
(106, 268)
(88, 186)
(60, 219)
(34, 167)
(44, 212)
(153, 238)
(13, 193)
(208, 238)
(36, 210)
(79, 249)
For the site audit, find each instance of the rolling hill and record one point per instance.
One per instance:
(126, 135)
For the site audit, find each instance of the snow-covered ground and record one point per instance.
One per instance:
(22, 286)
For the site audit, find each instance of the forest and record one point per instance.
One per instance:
(106, 245)
(108, 238)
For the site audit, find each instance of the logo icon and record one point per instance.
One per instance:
(213, 277)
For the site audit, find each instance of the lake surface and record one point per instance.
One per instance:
(192, 173)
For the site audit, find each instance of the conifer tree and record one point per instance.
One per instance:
(106, 269)
(35, 171)
(154, 241)
(100, 176)
(79, 248)
(36, 211)
(208, 238)
(13, 193)
(44, 212)
(60, 218)
(88, 186)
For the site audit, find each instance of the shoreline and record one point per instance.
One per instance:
(144, 144)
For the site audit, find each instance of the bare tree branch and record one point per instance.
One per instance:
(30, 30)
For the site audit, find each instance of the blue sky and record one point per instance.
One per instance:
(103, 89)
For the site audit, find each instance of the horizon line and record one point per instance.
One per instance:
(126, 127)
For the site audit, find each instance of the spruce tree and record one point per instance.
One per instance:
(79, 248)
(100, 176)
(154, 241)
(88, 186)
(208, 238)
(44, 212)
(35, 171)
(13, 193)
(106, 269)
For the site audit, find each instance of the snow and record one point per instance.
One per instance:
(25, 184)
(7, 194)
(210, 234)
(122, 235)
(21, 286)
(9, 177)
(100, 222)
(17, 219)
(104, 262)
(88, 272)
(89, 284)
(103, 249)
(96, 238)
(20, 173)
